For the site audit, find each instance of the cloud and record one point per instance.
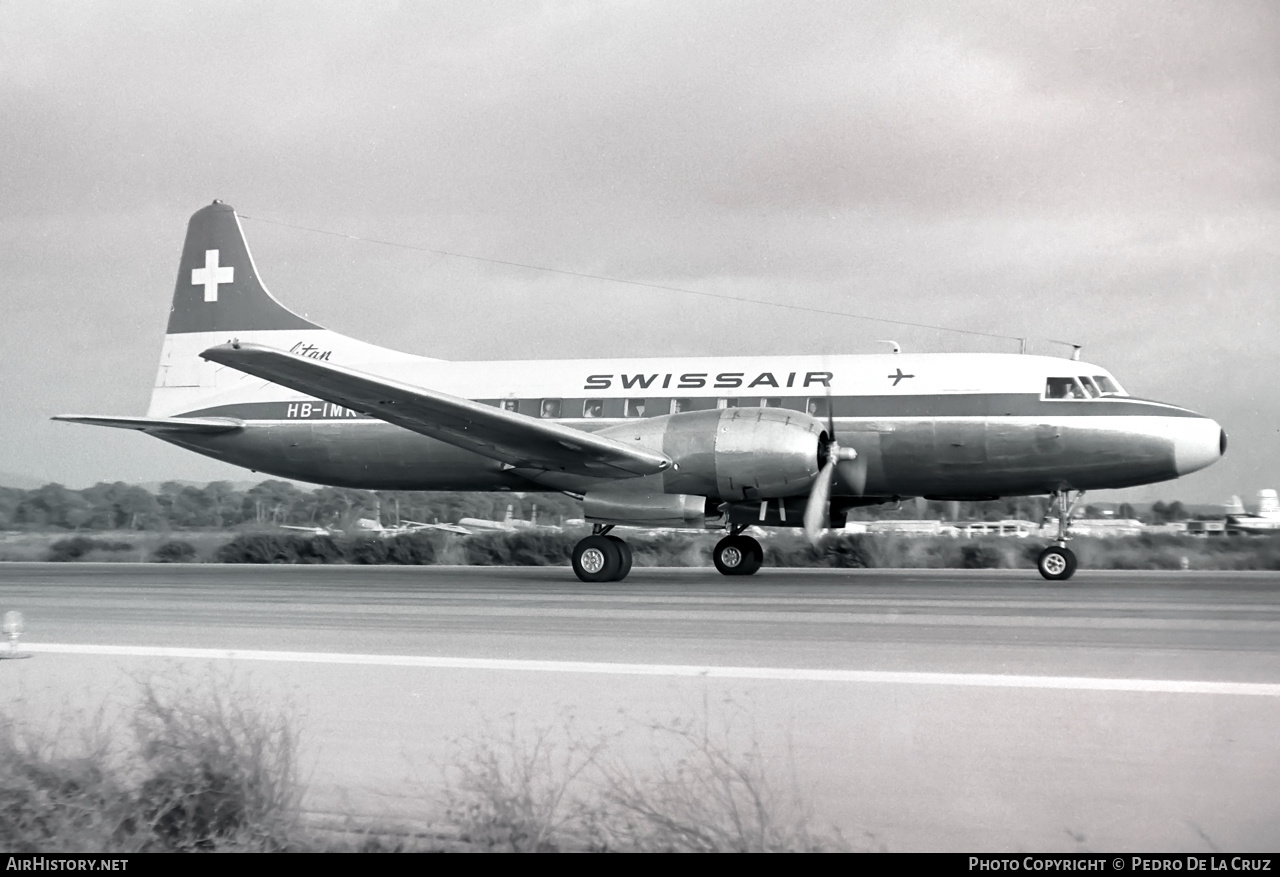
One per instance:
(1055, 170)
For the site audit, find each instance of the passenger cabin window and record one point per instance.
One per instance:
(1063, 388)
(550, 408)
(727, 403)
(678, 405)
(771, 402)
(817, 407)
(633, 408)
(509, 405)
(593, 408)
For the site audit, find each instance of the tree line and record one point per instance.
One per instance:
(220, 504)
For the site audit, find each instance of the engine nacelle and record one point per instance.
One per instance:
(731, 453)
(639, 509)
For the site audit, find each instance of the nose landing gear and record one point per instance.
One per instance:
(1058, 562)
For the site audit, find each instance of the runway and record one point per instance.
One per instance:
(948, 710)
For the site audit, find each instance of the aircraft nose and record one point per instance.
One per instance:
(1197, 442)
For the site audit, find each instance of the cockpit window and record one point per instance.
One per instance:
(1108, 386)
(1090, 387)
(1063, 388)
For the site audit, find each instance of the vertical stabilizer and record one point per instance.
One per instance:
(219, 296)
(1267, 502)
(219, 288)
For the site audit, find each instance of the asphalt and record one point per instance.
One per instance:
(938, 710)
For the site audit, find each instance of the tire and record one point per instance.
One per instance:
(596, 559)
(737, 556)
(1056, 563)
(624, 568)
(755, 556)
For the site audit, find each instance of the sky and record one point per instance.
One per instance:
(1105, 174)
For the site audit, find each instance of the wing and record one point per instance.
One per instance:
(515, 439)
(200, 425)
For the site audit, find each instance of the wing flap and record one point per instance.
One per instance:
(516, 439)
(193, 425)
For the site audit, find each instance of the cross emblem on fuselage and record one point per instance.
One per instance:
(211, 275)
(898, 377)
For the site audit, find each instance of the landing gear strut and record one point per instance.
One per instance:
(737, 555)
(1058, 562)
(601, 557)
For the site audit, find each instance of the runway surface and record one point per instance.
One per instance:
(957, 710)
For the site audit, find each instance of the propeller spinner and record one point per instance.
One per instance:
(836, 461)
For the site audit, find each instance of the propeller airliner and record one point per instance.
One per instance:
(720, 443)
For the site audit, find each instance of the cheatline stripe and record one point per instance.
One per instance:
(970, 680)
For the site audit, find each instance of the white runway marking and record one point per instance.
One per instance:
(973, 680)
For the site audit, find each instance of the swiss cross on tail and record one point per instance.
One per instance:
(211, 275)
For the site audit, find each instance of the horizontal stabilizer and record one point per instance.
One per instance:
(515, 439)
(191, 425)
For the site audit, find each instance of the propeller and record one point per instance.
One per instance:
(838, 461)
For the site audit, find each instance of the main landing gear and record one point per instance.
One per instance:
(737, 555)
(1058, 562)
(601, 557)
(604, 558)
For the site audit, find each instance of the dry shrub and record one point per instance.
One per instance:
(517, 794)
(705, 792)
(60, 792)
(201, 771)
(558, 790)
(219, 769)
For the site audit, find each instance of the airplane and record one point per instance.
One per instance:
(1265, 523)
(372, 526)
(509, 522)
(719, 442)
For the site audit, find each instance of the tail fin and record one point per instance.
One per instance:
(218, 296)
(219, 288)
(1234, 506)
(1267, 502)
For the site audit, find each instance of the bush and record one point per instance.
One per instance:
(260, 548)
(981, 556)
(519, 548)
(77, 547)
(51, 800)
(206, 772)
(219, 773)
(174, 552)
(414, 549)
(318, 549)
(705, 792)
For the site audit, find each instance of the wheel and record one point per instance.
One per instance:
(755, 556)
(597, 559)
(737, 555)
(625, 566)
(1056, 563)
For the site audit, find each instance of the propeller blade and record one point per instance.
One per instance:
(815, 510)
(852, 474)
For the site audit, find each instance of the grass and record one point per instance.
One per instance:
(211, 768)
(696, 789)
(206, 771)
